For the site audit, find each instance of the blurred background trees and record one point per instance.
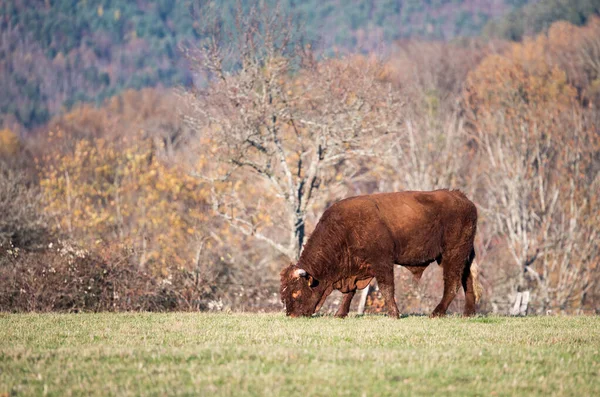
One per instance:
(193, 198)
(57, 53)
(540, 169)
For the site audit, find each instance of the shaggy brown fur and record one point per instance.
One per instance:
(363, 237)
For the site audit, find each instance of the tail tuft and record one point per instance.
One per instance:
(477, 288)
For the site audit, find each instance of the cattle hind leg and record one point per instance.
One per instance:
(470, 285)
(454, 268)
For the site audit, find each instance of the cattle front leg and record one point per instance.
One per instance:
(385, 280)
(325, 295)
(345, 305)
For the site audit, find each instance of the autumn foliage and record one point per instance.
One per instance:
(196, 200)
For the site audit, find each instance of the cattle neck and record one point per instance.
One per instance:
(314, 265)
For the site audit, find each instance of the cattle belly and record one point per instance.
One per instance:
(351, 284)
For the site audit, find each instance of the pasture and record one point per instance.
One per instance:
(271, 355)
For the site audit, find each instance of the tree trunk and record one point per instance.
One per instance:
(299, 233)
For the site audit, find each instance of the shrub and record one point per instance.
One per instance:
(21, 223)
(66, 278)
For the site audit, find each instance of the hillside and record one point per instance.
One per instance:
(55, 53)
(537, 16)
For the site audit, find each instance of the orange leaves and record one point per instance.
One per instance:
(520, 78)
(102, 191)
(9, 142)
(493, 81)
(105, 178)
(545, 71)
(561, 35)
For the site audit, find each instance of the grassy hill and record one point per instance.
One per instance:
(271, 355)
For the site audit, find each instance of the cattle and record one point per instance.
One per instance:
(364, 237)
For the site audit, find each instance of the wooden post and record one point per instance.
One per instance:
(521, 303)
(524, 304)
(517, 305)
(363, 299)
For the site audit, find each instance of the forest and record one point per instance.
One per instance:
(55, 54)
(176, 156)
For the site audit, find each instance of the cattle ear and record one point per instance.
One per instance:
(312, 282)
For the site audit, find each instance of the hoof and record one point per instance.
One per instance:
(437, 315)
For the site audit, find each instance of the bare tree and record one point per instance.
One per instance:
(422, 154)
(296, 127)
(538, 201)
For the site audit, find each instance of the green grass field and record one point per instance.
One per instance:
(269, 354)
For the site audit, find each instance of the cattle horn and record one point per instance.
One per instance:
(300, 273)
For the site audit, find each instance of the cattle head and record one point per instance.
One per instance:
(300, 291)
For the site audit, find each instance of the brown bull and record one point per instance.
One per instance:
(363, 237)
